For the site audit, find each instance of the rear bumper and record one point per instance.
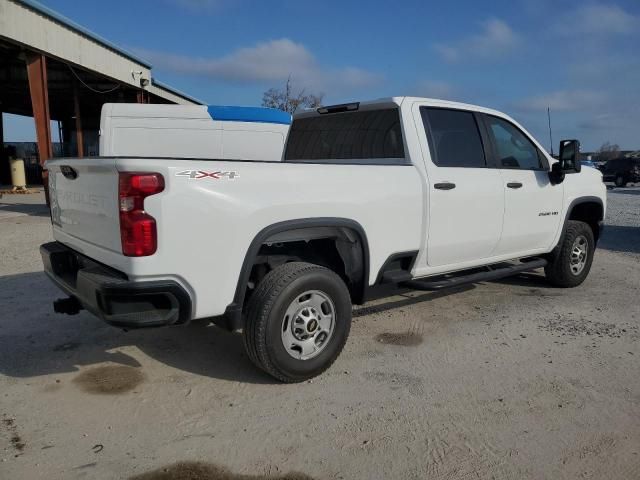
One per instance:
(109, 295)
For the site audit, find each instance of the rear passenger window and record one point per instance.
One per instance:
(370, 136)
(513, 148)
(454, 138)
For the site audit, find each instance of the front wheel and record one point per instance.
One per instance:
(570, 262)
(298, 320)
(620, 181)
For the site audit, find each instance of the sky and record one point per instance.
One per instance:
(579, 58)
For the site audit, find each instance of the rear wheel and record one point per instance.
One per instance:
(620, 182)
(298, 321)
(570, 262)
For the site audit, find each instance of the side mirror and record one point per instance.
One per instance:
(556, 175)
(570, 156)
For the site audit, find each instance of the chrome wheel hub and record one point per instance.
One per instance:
(308, 324)
(579, 252)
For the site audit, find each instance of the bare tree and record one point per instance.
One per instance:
(285, 99)
(608, 151)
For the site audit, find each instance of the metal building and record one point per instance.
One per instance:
(54, 69)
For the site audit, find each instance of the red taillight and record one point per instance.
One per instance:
(138, 228)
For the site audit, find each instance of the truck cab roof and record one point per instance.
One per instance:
(390, 102)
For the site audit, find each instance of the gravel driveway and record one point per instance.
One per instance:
(500, 380)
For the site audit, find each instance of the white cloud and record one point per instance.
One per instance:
(599, 121)
(494, 41)
(270, 62)
(563, 100)
(598, 20)
(436, 89)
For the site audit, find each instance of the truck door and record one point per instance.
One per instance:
(532, 204)
(465, 193)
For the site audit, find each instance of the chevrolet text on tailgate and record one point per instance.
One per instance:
(416, 192)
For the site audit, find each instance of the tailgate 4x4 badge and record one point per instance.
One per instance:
(198, 174)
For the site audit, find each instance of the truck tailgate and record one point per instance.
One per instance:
(84, 200)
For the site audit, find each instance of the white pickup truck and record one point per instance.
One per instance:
(421, 193)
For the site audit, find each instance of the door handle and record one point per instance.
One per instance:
(514, 185)
(444, 186)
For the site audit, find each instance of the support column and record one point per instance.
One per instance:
(37, 73)
(76, 108)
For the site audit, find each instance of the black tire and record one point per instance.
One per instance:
(265, 320)
(620, 182)
(559, 270)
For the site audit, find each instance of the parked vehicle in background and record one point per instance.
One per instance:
(416, 192)
(621, 171)
(589, 163)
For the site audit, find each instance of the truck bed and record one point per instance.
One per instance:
(210, 211)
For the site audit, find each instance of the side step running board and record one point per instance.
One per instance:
(475, 277)
(396, 276)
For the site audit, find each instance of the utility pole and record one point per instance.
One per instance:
(550, 137)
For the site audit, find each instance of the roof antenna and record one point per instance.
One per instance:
(550, 137)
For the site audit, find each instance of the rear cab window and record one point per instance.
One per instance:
(454, 137)
(356, 137)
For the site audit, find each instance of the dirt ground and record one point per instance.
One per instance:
(501, 380)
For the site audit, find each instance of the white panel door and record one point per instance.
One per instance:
(465, 195)
(464, 222)
(532, 203)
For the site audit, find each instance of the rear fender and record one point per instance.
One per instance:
(232, 318)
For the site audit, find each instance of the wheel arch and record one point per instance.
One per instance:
(233, 313)
(588, 209)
